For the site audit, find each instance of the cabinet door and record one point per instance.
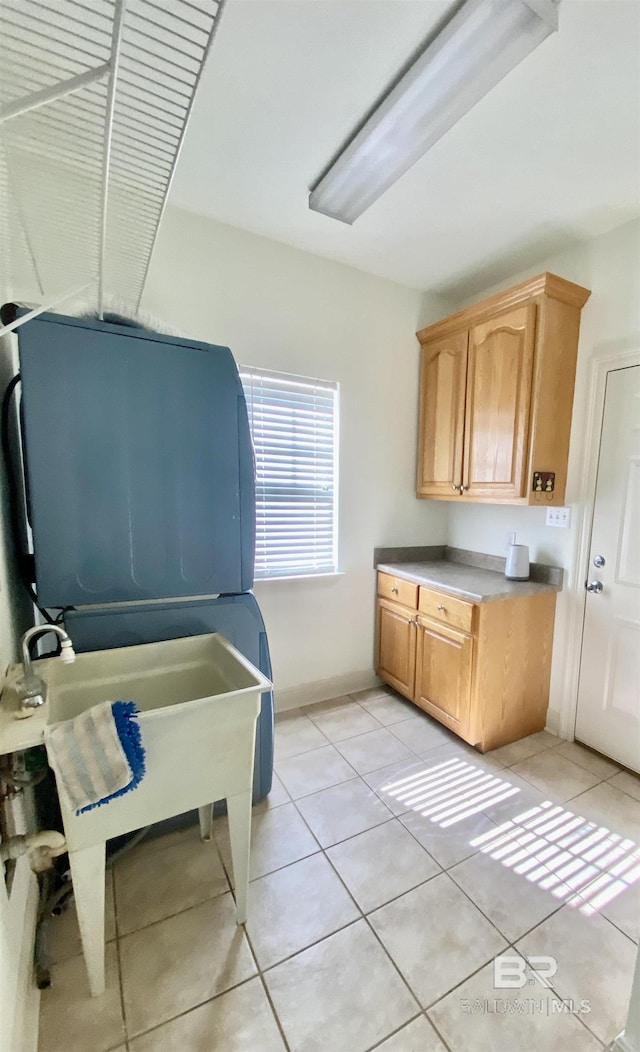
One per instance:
(443, 673)
(396, 646)
(443, 370)
(499, 376)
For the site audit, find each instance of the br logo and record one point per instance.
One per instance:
(510, 973)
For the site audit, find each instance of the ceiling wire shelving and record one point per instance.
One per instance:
(95, 97)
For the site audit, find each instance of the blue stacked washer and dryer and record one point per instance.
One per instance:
(140, 491)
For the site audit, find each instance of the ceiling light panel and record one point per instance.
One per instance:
(483, 42)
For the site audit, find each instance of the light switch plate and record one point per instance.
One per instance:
(559, 517)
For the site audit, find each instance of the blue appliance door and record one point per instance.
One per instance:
(139, 464)
(237, 617)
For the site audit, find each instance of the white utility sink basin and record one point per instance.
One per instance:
(198, 699)
(154, 675)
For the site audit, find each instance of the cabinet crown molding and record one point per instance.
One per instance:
(545, 284)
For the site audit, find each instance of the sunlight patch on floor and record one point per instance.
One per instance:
(574, 859)
(449, 791)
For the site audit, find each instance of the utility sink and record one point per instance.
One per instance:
(156, 676)
(198, 699)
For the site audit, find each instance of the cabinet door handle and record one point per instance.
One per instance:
(454, 487)
(463, 488)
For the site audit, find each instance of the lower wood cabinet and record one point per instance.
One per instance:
(443, 674)
(481, 669)
(396, 660)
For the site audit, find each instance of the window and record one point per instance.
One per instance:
(294, 424)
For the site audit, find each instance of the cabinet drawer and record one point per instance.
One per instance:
(443, 607)
(398, 590)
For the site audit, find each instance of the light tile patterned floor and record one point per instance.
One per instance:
(390, 865)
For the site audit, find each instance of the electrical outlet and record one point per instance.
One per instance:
(559, 517)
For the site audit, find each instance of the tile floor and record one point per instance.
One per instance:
(391, 865)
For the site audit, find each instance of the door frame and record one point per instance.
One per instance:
(603, 362)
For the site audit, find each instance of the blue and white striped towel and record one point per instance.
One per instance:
(96, 756)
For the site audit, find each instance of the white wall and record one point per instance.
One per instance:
(283, 309)
(609, 266)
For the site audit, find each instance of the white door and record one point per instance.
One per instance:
(608, 716)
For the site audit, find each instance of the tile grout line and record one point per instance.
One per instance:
(305, 796)
(579, 1018)
(275, 725)
(442, 868)
(193, 1008)
(362, 915)
(324, 938)
(394, 1033)
(513, 947)
(178, 913)
(118, 955)
(445, 869)
(480, 910)
(276, 1017)
(265, 987)
(438, 1031)
(145, 927)
(365, 916)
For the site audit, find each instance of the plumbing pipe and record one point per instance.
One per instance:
(41, 847)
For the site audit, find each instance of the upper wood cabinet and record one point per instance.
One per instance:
(496, 394)
(442, 392)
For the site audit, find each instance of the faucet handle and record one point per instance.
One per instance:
(32, 691)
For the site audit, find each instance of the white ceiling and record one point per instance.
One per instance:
(550, 157)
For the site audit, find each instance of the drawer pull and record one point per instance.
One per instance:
(395, 590)
(443, 608)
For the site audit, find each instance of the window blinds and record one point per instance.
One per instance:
(294, 424)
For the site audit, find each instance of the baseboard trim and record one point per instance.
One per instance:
(324, 689)
(620, 1044)
(553, 722)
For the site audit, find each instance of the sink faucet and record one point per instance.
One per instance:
(32, 688)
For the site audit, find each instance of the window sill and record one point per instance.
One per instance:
(300, 577)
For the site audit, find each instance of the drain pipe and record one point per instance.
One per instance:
(41, 847)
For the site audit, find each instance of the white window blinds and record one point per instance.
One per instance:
(294, 424)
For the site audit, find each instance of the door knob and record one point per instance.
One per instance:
(594, 586)
(598, 561)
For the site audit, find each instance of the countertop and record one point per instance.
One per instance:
(469, 582)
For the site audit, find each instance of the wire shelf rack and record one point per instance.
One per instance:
(95, 97)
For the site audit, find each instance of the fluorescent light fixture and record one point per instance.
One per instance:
(483, 41)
